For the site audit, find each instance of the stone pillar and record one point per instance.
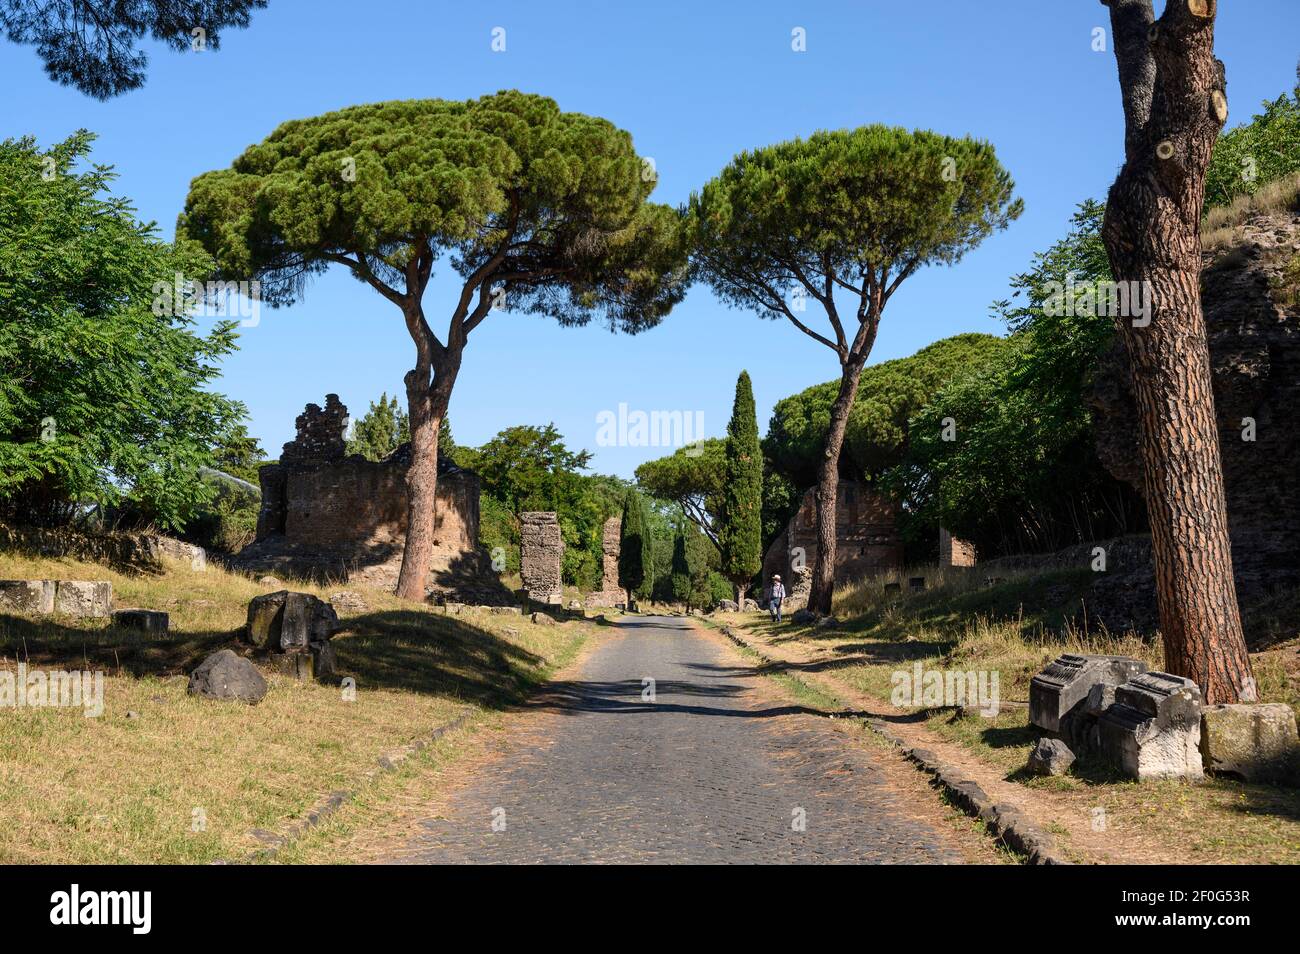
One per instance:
(542, 557)
(611, 545)
(955, 552)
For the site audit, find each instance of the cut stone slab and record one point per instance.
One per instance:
(35, 597)
(289, 622)
(1153, 729)
(1066, 682)
(227, 675)
(84, 599)
(1256, 743)
(151, 622)
(1050, 757)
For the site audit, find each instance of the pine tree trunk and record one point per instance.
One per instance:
(427, 406)
(1173, 94)
(822, 593)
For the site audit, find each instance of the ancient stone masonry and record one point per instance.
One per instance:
(1254, 340)
(542, 556)
(866, 541)
(954, 551)
(609, 593)
(333, 517)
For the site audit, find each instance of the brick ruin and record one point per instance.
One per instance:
(327, 515)
(541, 561)
(954, 551)
(866, 540)
(609, 593)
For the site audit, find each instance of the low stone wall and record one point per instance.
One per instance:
(129, 552)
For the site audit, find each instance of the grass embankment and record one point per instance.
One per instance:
(129, 785)
(1014, 628)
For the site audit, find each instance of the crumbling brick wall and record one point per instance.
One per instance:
(954, 551)
(866, 540)
(327, 515)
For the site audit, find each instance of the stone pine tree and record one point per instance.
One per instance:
(634, 547)
(1173, 93)
(535, 210)
(841, 219)
(91, 44)
(740, 532)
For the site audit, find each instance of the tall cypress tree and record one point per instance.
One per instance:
(681, 571)
(740, 535)
(633, 545)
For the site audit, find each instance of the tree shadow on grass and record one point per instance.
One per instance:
(53, 643)
(405, 650)
(437, 655)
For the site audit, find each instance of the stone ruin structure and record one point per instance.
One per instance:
(541, 560)
(609, 593)
(866, 541)
(330, 516)
(954, 551)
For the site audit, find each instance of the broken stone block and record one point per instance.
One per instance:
(35, 597)
(150, 622)
(543, 619)
(1050, 757)
(84, 599)
(285, 621)
(1065, 684)
(1153, 729)
(324, 663)
(226, 675)
(1251, 742)
(294, 665)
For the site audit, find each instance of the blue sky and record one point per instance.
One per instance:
(694, 83)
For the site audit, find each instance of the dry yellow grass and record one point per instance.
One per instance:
(184, 779)
(1217, 231)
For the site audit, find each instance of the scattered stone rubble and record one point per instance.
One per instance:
(1149, 725)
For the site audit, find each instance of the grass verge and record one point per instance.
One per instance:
(163, 777)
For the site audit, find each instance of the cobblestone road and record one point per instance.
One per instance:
(715, 769)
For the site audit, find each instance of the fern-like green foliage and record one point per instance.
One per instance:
(103, 389)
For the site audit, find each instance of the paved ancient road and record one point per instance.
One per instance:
(715, 769)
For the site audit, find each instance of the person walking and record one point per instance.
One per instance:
(774, 597)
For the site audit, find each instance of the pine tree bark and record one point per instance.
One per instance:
(1174, 106)
(426, 407)
(822, 592)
